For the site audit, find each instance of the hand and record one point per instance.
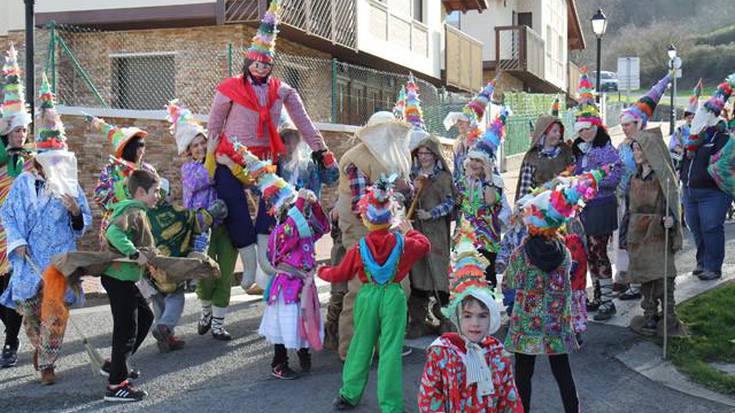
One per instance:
(225, 160)
(668, 222)
(142, 260)
(423, 215)
(212, 144)
(70, 204)
(402, 185)
(307, 195)
(334, 214)
(404, 226)
(21, 251)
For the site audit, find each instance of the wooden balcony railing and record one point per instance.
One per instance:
(331, 20)
(463, 60)
(519, 48)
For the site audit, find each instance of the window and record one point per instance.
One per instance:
(418, 10)
(143, 81)
(525, 19)
(549, 43)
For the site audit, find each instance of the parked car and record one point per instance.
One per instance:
(608, 81)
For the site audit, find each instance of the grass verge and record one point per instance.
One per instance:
(710, 319)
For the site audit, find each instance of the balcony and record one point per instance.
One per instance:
(319, 23)
(463, 64)
(573, 76)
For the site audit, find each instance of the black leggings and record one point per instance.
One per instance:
(562, 373)
(10, 317)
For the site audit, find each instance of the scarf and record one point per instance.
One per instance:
(241, 91)
(477, 369)
(381, 274)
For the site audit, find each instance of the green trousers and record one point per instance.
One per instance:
(380, 314)
(217, 290)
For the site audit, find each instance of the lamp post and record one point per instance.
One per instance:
(30, 92)
(671, 51)
(599, 25)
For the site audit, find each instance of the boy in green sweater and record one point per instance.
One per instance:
(129, 230)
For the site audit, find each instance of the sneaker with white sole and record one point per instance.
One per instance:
(124, 392)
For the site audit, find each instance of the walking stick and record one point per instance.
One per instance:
(666, 273)
(421, 181)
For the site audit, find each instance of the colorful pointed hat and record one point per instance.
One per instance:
(376, 207)
(478, 105)
(118, 137)
(707, 115)
(555, 107)
(486, 147)
(263, 46)
(14, 110)
(400, 105)
(694, 99)
(587, 114)
(467, 277)
(642, 110)
(543, 213)
(183, 126)
(412, 111)
(50, 133)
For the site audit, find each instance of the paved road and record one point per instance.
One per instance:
(234, 376)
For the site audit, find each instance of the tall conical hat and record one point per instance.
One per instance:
(118, 137)
(642, 110)
(14, 109)
(708, 114)
(400, 104)
(587, 114)
(693, 104)
(263, 46)
(50, 133)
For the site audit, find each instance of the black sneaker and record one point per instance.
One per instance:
(283, 372)
(304, 360)
(340, 403)
(124, 392)
(105, 370)
(593, 305)
(10, 356)
(205, 323)
(605, 312)
(710, 276)
(698, 271)
(650, 327)
(221, 334)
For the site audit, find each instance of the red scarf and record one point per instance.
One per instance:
(239, 90)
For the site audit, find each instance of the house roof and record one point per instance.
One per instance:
(464, 5)
(575, 33)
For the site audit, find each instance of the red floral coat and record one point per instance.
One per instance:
(443, 387)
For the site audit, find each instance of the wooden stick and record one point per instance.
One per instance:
(414, 203)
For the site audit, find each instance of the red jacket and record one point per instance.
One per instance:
(380, 243)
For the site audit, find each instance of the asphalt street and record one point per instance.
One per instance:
(209, 375)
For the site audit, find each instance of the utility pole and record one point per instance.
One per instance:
(30, 90)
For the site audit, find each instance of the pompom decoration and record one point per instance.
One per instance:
(277, 193)
(50, 133)
(376, 206)
(14, 109)
(412, 111)
(642, 110)
(263, 46)
(587, 113)
(546, 211)
(398, 108)
(479, 103)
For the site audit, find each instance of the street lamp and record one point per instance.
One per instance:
(671, 51)
(599, 25)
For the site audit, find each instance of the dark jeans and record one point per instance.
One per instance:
(10, 317)
(131, 320)
(562, 373)
(705, 210)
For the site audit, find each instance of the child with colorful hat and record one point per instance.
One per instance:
(469, 124)
(541, 321)
(467, 371)
(680, 135)
(128, 151)
(292, 319)
(381, 260)
(199, 192)
(44, 215)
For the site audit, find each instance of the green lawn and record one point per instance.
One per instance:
(710, 319)
(685, 93)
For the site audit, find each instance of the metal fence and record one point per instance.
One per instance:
(135, 70)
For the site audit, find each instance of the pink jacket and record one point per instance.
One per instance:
(233, 119)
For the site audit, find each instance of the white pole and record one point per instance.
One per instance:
(666, 273)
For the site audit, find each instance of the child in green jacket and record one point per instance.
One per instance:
(129, 230)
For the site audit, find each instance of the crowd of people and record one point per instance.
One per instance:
(422, 245)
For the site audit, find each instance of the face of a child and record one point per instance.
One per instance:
(260, 69)
(17, 138)
(638, 155)
(198, 148)
(475, 168)
(426, 157)
(291, 140)
(474, 321)
(463, 126)
(149, 197)
(553, 135)
(629, 129)
(588, 134)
